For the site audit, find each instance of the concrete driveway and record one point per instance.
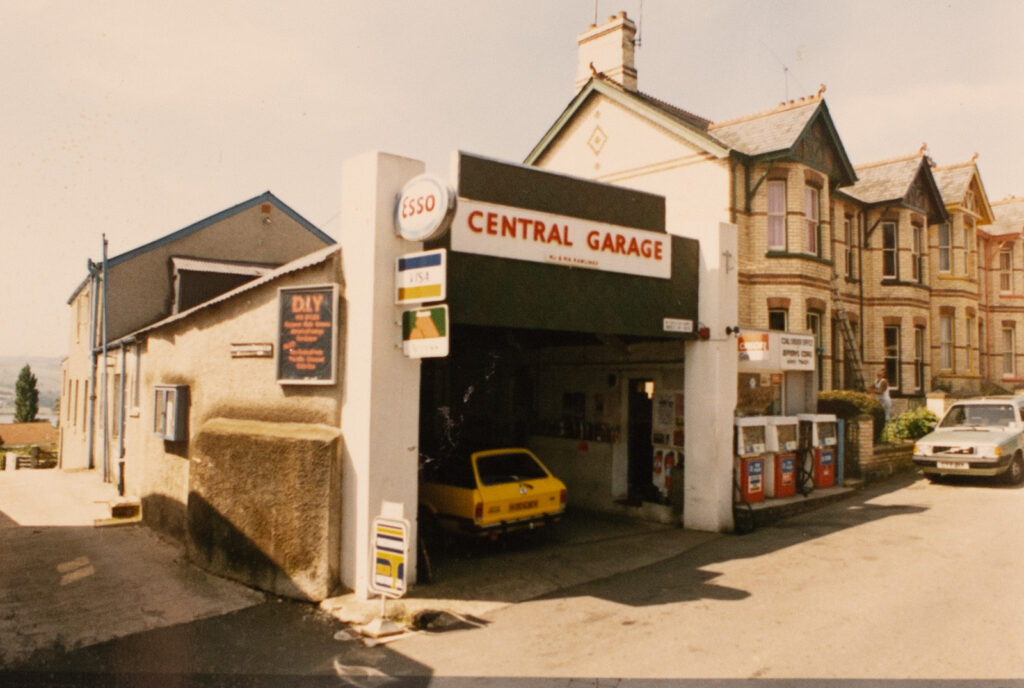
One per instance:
(65, 583)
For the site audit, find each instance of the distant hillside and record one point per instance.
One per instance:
(46, 370)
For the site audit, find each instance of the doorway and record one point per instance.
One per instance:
(640, 446)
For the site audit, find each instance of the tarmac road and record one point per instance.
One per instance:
(835, 593)
(905, 580)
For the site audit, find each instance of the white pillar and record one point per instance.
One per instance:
(711, 370)
(380, 403)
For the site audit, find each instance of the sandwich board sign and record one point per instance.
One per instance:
(390, 556)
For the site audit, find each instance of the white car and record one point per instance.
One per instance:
(976, 437)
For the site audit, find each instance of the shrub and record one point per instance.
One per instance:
(910, 425)
(847, 404)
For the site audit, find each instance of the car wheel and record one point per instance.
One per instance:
(1015, 473)
(935, 477)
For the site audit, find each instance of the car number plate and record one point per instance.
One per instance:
(522, 506)
(953, 465)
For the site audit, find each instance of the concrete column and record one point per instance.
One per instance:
(380, 403)
(711, 370)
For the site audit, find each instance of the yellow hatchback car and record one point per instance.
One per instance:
(495, 492)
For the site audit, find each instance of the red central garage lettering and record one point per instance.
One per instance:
(614, 242)
(497, 224)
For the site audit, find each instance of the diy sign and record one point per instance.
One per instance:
(307, 335)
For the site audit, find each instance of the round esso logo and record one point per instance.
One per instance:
(424, 209)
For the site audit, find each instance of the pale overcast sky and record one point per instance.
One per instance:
(137, 118)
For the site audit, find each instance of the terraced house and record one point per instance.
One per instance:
(898, 264)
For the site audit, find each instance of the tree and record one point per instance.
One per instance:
(26, 397)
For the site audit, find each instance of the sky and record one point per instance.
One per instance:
(135, 118)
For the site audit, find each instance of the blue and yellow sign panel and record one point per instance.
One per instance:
(390, 557)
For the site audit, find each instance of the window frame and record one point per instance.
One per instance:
(170, 412)
(785, 319)
(1009, 342)
(917, 254)
(1006, 270)
(947, 359)
(850, 234)
(812, 217)
(776, 216)
(891, 355)
(945, 261)
(920, 350)
(890, 253)
(970, 322)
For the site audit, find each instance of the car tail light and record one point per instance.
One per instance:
(563, 497)
(478, 512)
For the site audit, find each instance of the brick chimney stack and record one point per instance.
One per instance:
(609, 49)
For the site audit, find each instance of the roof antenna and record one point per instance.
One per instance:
(595, 12)
(640, 26)
(785, 70)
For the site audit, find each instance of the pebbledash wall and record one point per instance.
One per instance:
(254, 486)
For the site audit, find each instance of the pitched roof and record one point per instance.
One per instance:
(22, 434)
(1009, 214)
(686, 125)
(265, 197)
(904, 181)
(955, 182)
(887, 180)
(310, 260)
(766, 132)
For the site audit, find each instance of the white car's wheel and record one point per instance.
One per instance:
(1015, 473)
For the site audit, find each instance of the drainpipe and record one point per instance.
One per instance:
(120, 429)
(91, 398)
(106, 427)
(860, 285)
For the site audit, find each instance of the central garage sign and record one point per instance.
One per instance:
(497, 230)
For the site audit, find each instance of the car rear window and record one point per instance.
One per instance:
(979, 414)
(508, 467)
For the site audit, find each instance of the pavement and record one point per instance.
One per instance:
(68, 584)
(65, 583)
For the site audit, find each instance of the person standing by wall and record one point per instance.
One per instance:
(881, 392)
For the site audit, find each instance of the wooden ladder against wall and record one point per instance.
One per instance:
(851, 352)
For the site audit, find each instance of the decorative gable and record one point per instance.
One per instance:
(923, 196)
(819, 149)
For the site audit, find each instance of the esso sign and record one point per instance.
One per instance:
(424, 209)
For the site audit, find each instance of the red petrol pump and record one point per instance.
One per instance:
(750, 460)
(819, 434)
(782, 440)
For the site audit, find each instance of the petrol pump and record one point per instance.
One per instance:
(750, 463)
(781, 442)
(819, 435)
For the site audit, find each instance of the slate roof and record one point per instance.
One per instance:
(954, 181)
(1009, 217)
(767, 132)
(27, 434)
(888, 180)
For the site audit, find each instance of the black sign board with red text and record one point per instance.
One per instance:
(307, 335)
